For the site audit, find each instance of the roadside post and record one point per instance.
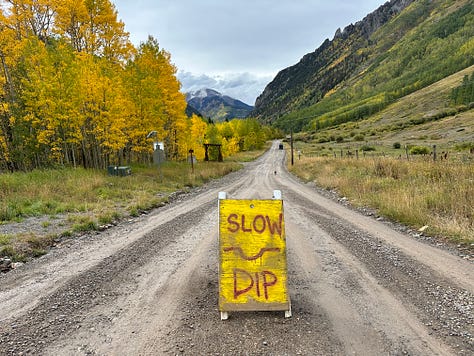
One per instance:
(191, 158)
(252, 256)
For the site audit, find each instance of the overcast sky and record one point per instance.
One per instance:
(237, 47)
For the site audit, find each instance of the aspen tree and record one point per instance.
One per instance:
(73, 90)
(92, 26)
(198, 130)
(31, 17)
(157, 103)
(7, 95)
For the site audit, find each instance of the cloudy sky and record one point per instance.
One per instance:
(237, 47)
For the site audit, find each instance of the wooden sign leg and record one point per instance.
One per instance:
(278, 196)
(224, 315)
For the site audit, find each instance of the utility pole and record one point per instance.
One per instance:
(291, 147)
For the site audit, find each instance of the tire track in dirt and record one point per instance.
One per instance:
(365, 316)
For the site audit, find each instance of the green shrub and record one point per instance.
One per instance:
(419, 150)
(464, 146)
(367, 148)
(397, 145)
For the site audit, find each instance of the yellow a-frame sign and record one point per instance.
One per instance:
(252, 256)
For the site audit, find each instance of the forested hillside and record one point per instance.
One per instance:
(400, 48)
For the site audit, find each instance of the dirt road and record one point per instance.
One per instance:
(150, 286)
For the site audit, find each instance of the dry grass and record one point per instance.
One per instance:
(417, 193)
(402, 122)
(52, 192)
(77, 200)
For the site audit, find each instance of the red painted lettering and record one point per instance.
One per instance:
(259, 224)
(238, 251)
(267, 283)
(260, 228)
(234, 224)
(273, 226)
(269, 279)
(245, 229)
(257, 284)
(237, 291)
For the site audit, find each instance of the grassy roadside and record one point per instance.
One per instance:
(41, 207)
(438, 196)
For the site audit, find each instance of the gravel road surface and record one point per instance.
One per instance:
(149, 286)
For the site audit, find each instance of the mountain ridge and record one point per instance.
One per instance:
(293, 81)
(216, 106)
(401, 47)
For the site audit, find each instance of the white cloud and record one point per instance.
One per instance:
(243, 86)
(249, 38)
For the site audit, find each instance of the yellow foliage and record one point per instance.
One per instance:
(468, 48)
(193, 139)
(338, 61)
(74, 91)
(93, 27)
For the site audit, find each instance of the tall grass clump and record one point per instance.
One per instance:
(417, 192)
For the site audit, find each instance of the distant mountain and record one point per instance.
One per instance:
(403, 46)
(212, 104)
(190, 111)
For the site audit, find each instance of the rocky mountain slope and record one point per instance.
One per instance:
(401, 47)
(216, 106)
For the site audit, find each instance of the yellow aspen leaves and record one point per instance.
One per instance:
(75, 91)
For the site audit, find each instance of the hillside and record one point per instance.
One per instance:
(398, 49)
(212, 104)
(424, 118)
